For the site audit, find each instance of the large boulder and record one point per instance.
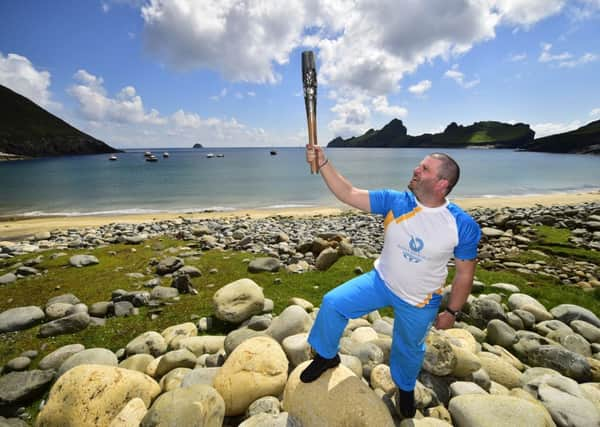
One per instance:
(65, 325)
(336, 399)
(18, 388)
(569, 312)
(90, 356)
(175, 359)
(439, 359)
(93, 395)
(83, 260)
(472, 410)
(499, 370)
(238, 301)
(268, 264)
(150, 342)
(565, 401)
(566, 362)
(178, 332)
(169, 265)
(58, 356)
(291, 321)
(482, 310)
(204, 344)
(530, 304)
(16, 319)
(258, 367)
(198, 405)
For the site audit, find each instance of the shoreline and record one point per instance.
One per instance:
(16, 227)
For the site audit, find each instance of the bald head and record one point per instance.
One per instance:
(449, 169)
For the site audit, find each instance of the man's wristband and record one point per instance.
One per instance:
(324, 163)
(452, 312)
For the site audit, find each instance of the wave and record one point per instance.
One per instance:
(129, 211)
(289, 206)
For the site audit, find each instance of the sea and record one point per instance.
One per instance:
(189, 180)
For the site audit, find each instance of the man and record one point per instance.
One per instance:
(422, 232)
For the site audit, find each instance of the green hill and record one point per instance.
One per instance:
(489, 133)
(28, 130)
(585, 140)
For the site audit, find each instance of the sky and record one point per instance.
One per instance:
(227, 73)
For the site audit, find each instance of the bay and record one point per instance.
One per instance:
(251, 178)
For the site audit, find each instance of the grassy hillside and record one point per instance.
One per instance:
(394, 134)
(586, 139)
(28, 130)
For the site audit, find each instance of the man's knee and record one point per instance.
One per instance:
(329, 301)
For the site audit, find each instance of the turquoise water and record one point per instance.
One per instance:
(188, 181)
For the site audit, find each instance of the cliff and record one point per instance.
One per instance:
(26, 129)
(488, 134)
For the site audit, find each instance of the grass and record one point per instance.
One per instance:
(555, 241)
(95, 283)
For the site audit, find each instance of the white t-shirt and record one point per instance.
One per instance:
(418, 242)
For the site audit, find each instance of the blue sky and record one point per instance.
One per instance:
(227, 72)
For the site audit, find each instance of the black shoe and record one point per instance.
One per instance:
(317, 367)
(406, 403)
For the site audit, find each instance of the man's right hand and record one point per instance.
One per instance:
(315, 152)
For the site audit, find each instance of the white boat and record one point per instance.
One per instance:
(148, 153)
(151, 158)
(113, 157)
(210, 155)
(220, 155)
(165, 154)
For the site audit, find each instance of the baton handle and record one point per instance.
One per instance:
(309, 83)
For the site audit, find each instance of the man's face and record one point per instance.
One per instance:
(425, 176)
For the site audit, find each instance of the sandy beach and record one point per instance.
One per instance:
(20, 227)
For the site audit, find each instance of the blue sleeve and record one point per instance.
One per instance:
(469, 234)
(382, 201)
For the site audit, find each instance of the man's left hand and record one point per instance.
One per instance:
(444, 320)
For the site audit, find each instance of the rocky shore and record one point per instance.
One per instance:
(509, 361)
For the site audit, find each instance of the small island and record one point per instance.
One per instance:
(198, 145)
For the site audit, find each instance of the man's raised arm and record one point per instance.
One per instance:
(339, 186)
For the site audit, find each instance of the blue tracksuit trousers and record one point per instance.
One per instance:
(360, 296)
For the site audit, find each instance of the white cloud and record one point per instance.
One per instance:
(381, 106)
(250, 93)
(595, 112)
(221, 95)
(420, 88)
(584, 9)
(527, 12)
(126, 107)
(565, 59)
(546, 56)
(242, 40)
(379, 44)
(19, 74)
(518, 57)
(459, 78)
(582, 60)
(352, 118)
(545, 129)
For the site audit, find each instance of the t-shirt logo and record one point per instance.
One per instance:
(415, 245)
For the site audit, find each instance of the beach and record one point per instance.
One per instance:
(15, 228)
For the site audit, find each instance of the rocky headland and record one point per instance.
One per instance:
(510, 360)
(27, 130)
(485, 134)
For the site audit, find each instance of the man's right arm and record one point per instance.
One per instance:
(338, 184)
